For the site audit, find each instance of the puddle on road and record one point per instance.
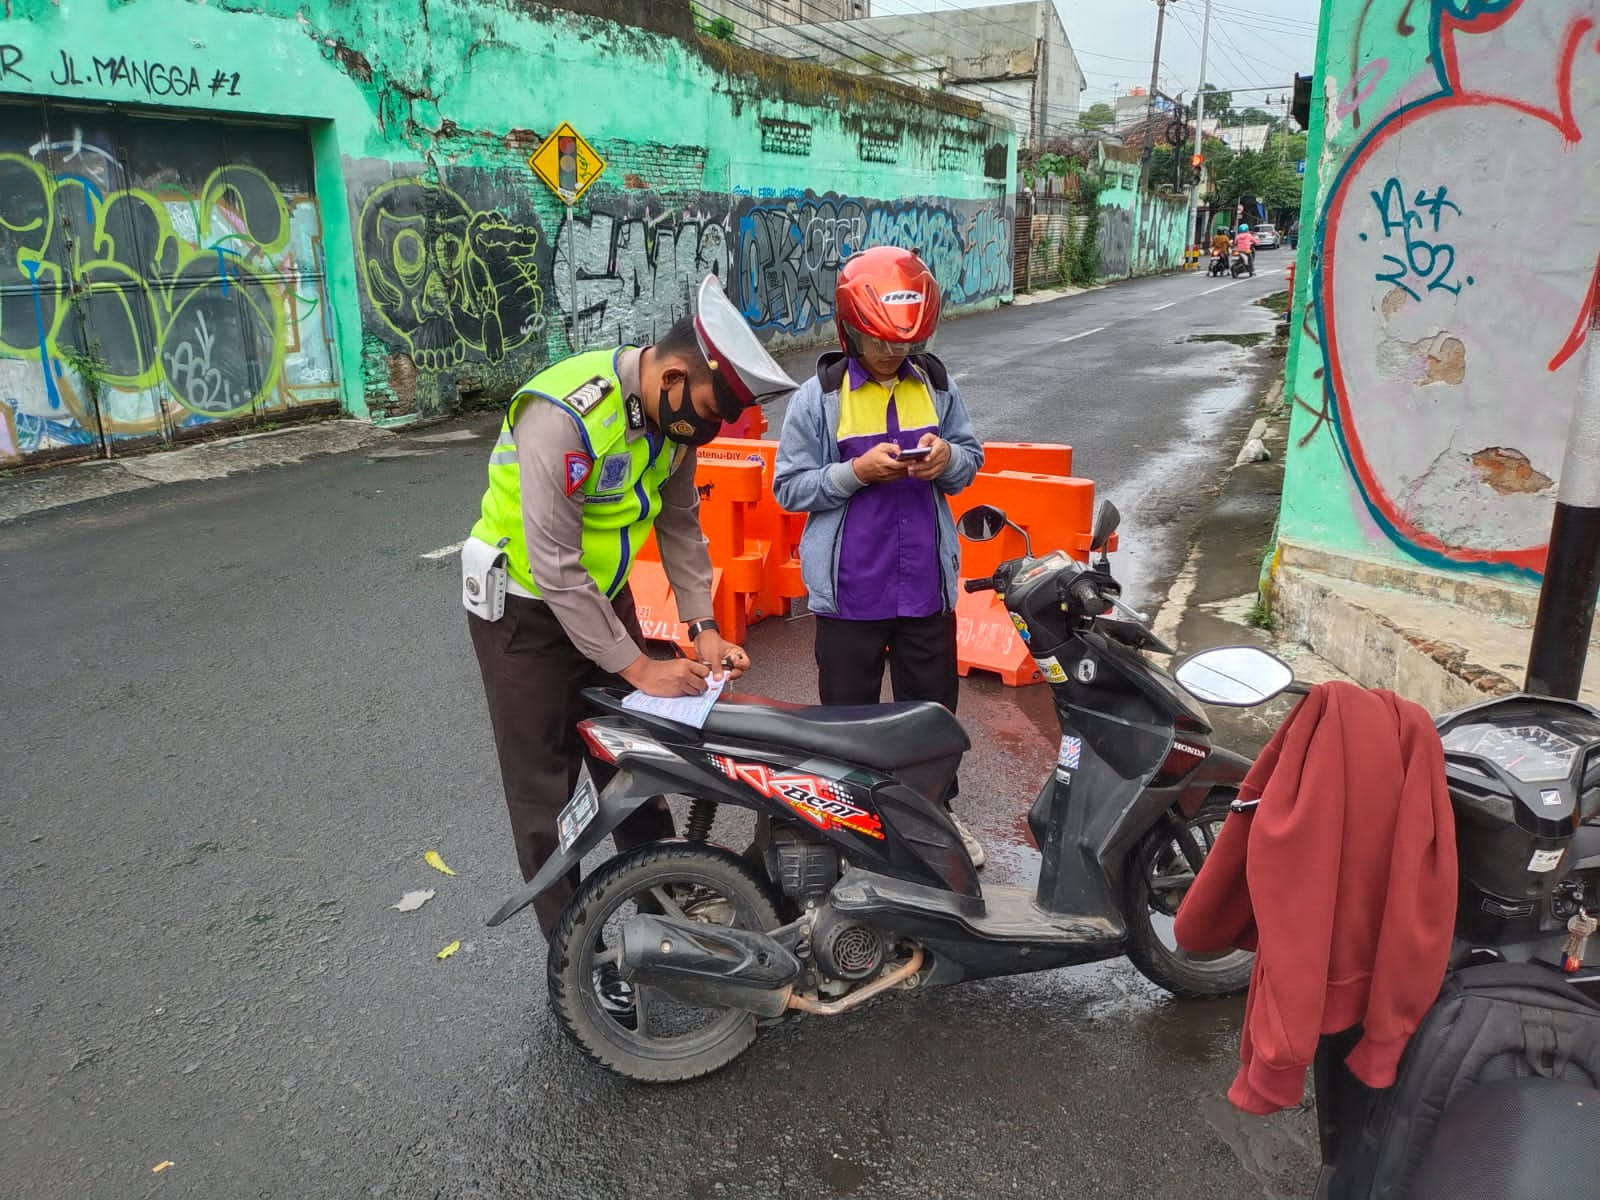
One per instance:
(1155, 502)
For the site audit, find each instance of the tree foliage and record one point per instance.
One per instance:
(1217, 103)
(1098, 116)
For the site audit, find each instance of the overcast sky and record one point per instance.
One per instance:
(1254, 43)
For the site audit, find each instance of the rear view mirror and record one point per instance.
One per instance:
(1237, 676)
(1105, 524)
(981, 524)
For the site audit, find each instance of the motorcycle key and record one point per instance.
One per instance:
(1579, 929)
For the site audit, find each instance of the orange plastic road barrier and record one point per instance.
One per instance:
(1057, 511)
(776, 533)
(986, 640)
(752, 423)
(730, 494)
(1039, 458)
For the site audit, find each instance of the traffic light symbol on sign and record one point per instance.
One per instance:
(567, 167)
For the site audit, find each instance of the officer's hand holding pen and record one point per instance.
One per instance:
(667, 676)
(711, 649)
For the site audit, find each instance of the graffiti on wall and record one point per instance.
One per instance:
(458, 270)
(789, 252)
(142, 297)
(451, 279)
(1448, 352)
(639, 263)
(1114, 240)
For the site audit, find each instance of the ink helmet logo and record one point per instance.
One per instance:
(902, 297)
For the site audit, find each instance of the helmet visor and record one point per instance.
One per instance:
(874, 345)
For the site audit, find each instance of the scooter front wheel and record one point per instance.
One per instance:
(1160, 870)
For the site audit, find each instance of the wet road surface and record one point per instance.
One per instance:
(239, 711)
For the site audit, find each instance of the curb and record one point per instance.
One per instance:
(80, 482)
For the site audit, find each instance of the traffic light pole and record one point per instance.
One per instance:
(572, 278)
(1199, 119)
(1572, 567)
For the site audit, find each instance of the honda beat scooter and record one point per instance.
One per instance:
(667, 956)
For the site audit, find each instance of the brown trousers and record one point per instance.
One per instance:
(533, 679)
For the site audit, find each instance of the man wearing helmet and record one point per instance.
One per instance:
(871, 448)
(595, 452)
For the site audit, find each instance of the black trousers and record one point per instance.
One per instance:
(533, 679)
(920, 653)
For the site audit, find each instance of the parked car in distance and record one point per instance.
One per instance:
(1266, 237)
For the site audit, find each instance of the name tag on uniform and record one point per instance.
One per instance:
(613, 474)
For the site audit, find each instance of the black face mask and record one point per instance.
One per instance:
(682, 423)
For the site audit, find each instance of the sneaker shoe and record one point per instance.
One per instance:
(973, 846)
(615, 995)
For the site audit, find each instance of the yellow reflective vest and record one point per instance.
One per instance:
(620, 477)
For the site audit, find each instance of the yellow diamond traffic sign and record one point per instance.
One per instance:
(566, 163)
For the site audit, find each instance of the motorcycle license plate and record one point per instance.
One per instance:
(577, 815)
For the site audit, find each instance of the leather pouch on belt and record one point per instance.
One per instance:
(483, 579)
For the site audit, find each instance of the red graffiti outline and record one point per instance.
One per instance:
(1530, 558)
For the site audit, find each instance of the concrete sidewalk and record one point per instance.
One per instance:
(53, 487)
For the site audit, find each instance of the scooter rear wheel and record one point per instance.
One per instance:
(1159, 873)
(660, 1040)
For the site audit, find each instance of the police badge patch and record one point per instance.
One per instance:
(578, 467)
(583, 399)
(613, 472)
(635, 413)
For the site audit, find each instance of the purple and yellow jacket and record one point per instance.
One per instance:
(889, 549)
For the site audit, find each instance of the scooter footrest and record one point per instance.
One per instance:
(1004, 914)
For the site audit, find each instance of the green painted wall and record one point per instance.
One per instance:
(1437, 338)
(430, 262)
(1140, 232)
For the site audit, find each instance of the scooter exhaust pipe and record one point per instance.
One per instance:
(709, 964)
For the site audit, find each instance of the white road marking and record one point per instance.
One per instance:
(1159, 307)
(1208, 291)
(442, 552)
(1074, 337)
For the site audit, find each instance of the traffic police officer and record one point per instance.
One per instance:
(594, 452)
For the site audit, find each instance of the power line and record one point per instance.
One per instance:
(1275, 19)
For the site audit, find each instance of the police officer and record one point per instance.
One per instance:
(595, 452)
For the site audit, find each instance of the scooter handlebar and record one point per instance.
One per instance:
(979, 585)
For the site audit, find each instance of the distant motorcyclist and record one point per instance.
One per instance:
(1244, 243)
(1221, 250)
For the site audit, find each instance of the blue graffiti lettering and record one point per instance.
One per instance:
(1423, 263)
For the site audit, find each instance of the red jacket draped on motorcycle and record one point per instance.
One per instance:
(1342, 880)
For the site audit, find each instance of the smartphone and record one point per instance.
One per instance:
(915, 454)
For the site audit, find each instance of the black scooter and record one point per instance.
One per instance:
(857, 883)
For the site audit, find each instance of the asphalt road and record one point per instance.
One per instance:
(239, 711)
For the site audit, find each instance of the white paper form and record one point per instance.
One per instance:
(686, 710)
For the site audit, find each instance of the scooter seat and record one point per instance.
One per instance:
(874, 735)
(1515, 1139)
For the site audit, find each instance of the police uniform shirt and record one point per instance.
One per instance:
(553, 521)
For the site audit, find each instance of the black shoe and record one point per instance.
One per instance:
(615, 995)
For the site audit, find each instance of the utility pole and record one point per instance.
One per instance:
(1199, 118)
(1150, 108)
(1572, 568)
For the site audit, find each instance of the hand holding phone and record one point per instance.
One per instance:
(915, 454)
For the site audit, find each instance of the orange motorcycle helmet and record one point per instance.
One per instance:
(886, 300)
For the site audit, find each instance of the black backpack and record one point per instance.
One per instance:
(1492, 1022)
